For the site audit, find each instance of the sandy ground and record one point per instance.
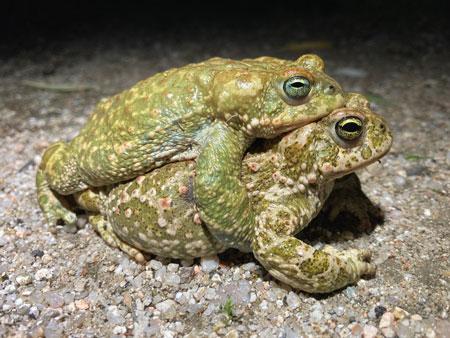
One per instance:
(57, 282)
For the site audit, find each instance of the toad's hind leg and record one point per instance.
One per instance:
(52, 204)
(301, 266)
(104, 229)
(57, 175)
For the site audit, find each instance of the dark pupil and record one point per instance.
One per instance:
(297, 84)
(351, 127)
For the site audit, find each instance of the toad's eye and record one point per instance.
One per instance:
(349, 128)
(297, 87)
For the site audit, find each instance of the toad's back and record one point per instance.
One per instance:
(160, 119)
(176, 114)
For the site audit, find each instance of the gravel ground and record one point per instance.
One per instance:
(62, 282)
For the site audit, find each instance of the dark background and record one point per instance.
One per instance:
(43, 25)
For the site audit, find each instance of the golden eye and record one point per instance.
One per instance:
(297, 87)
(349, 128)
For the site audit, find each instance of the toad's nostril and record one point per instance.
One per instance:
(330, 89)
(382, 127)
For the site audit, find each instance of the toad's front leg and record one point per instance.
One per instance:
(299, 264)
(220, 195)
(303, 267)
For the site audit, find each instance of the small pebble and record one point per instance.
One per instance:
(10, 288)
(399, 313)
(186, 262)
(386, 324)
(172, 278)
(264, 305)
(350, 292)
(167, 309)
(399, 181)
(55, 300)
(172, 267)
(210, 293)
(416, 317)
(23, 279)
(155, 265)
(82, 304)
(356, 329)
(340, 310)
(293, 300)
(369, 331)
(119, 330)
(37, 332)
(43, 274)
(160, 274)
(114, 316)
(37, 253)
(379, 311)
(34, 312)
(53, 329)
(209, 263)
(316, 314)
(249, 266)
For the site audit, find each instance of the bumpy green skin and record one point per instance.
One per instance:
(287, 182)
(172, 115)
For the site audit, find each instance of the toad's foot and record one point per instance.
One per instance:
(301, 266)
(359, 257)
(102, 226)
(57, 176)
(52, 204)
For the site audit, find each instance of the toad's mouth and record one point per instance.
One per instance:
(284, 127)
(313, 111)
(340, 171)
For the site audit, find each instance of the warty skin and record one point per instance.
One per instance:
(209, 111)
(287, 182)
